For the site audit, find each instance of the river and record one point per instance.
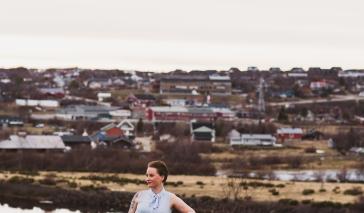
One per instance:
(9, 209)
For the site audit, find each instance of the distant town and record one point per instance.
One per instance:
(276, 125)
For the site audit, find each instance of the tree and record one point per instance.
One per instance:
(304, 112)
(282, 115)
(233, 188)
(140, 126)
(74, 85)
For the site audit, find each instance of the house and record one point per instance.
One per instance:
(297, 72)
(318, 85)
(111, 130)
(11, 121)
(253, 69)
(357, 150)
(124, 128)
(85, 112)
(351, 74)
(162, 113)
(195, 84)
(138, 113)
(234, 137)
(237, 139)
(4, 78)
(120, 113)
(145, 144)
(33, 142)
(52, 92)
(34, 103)
(141, 100)
(202, 131)
(167, 138)
(360, 119)
(99, 83)
(175, 102)
(75, 141)
(103, 95)
(180, 113)
(128, 128)
(289, 133)
(112, 141)
(312, 134)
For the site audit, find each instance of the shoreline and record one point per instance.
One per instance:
(29, 195)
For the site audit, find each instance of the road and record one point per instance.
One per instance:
(337, 98)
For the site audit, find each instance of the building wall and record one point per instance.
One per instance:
(204, 87)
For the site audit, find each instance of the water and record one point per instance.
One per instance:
(313, 175)
(8, 209)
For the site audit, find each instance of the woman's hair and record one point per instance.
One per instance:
(161, 168)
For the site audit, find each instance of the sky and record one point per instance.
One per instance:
(164, 35)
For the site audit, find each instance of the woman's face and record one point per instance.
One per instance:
(153, 178)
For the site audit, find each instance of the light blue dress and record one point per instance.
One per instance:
(149, 202)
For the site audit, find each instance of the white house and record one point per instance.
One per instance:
(103, 95)
(127, 127)
(251, 139)
(202, 131)
(33, 142)
(42, 103)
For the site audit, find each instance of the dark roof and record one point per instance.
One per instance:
(202, 136)
(145, 97)
(76, 139)
(196, 125)
(111, 140)
(220, 105)
(123, 139)
(185, 78)
(7, 119)
(178, 90)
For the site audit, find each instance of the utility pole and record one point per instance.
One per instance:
(261, 102)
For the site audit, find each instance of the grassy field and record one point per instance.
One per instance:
(204, 186)
(329, 159)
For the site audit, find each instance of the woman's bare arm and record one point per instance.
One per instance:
(134, 203)
(180, 205)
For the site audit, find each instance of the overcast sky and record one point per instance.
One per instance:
(163, 35)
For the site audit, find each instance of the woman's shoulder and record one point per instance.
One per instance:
(141, 192)
(170, 194)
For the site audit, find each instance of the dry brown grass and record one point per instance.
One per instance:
(331, 159)
(213, 186)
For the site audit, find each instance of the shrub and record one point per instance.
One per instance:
(281, 185)
(308, 191)
(354, 191)
(310, 150)
(336, 190)
(72, 184)
(19, 179)
(200, 183)
(295, 162)
(289, 202)
(93, 188)
(29, 173)
(274, 192)
(322, 190)
(306, 202)
(113, 178)
(48, 181)
(326, 204)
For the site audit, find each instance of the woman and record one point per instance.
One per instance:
(157, 199)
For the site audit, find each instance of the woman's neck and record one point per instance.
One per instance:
(157, 189)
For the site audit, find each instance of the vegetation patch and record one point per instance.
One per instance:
(355, 191)
(308, 191)
(20, 179)
(113, 178)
